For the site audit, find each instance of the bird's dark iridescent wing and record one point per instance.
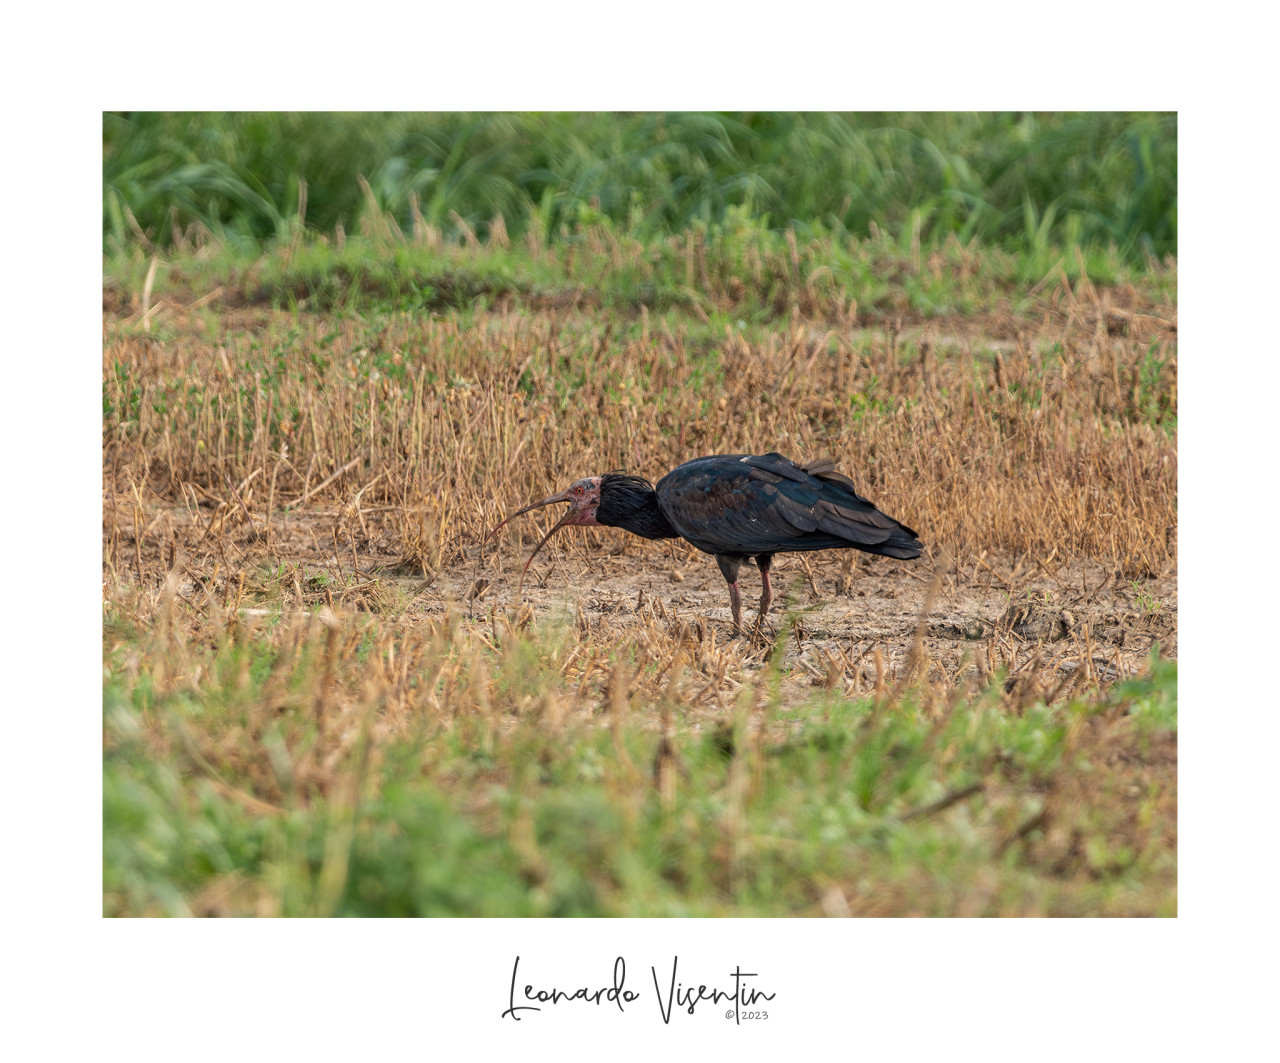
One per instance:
(750, 504)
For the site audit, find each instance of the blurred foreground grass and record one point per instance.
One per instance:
(258, 771)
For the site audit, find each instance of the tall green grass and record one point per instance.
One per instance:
(1023, 181)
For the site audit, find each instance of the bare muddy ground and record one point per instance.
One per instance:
(850, 620)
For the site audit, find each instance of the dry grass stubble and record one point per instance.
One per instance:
(1022, 451)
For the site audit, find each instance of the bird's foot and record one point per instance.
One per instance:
(758, 634)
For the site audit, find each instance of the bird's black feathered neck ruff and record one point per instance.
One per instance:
(630, 502)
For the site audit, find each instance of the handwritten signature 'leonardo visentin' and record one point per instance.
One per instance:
(677, 994)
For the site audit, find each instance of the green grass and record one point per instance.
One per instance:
(539, 817)
(702, 275)
(1024, 181)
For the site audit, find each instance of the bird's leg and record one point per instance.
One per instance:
(766, 590)
(735, 603)
(729, 565)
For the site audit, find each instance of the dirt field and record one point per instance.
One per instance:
(1051, 623)
(1052, 631)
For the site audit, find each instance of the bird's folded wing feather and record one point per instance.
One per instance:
(775, 463)
(772, 504)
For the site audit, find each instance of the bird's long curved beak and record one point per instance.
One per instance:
(563, 496)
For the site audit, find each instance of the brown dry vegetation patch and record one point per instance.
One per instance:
(1030, 455)
(1047, 444)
